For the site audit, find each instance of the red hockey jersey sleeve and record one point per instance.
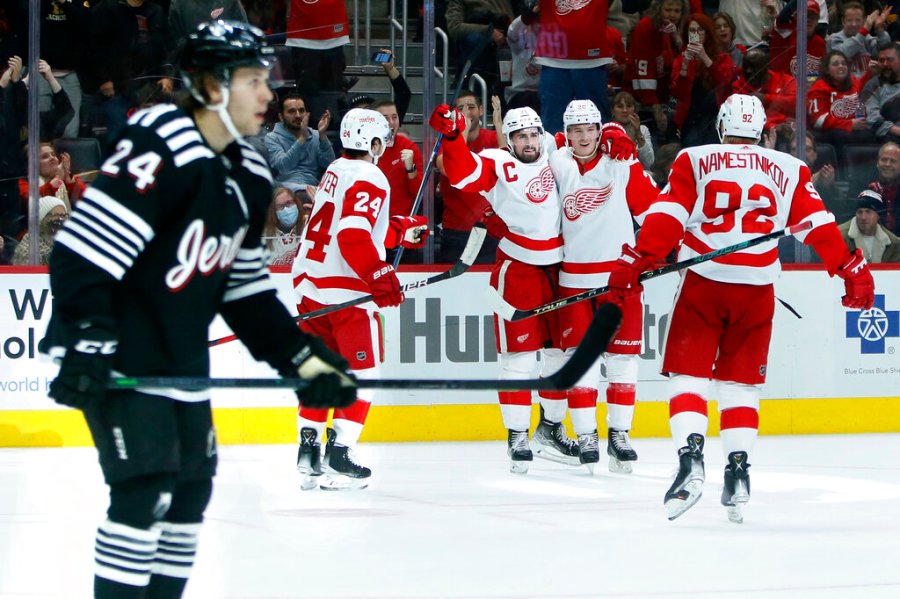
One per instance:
(640, 192)
(465, 170)
(824, 237)
(667, 216)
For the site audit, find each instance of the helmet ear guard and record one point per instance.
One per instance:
(741, 115)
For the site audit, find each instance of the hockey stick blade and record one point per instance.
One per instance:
(506, 311)
(595, 341)
(429, 166)
(466, 259)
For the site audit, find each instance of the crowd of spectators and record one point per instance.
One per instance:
(661, 68)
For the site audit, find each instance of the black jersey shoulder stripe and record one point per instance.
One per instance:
(260, 285)
(148, 116)
(89, 252)
(177, 142)
(170, 128)
(195, 152)
(254, 162)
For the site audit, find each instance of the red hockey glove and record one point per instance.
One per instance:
(615, 142)
(385, 286)
(859, 287)
(447, 121)
(624, 278)
(560, 139)
(408, 231)
(495, 225)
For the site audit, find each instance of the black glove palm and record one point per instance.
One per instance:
(331, 384)
(85, 369)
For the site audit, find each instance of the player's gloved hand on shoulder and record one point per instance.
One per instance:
(615, 142)
(447, 121)
(624, 279)
(407, 231)
(84, 372)
(331, 384)
(859, 286)
(385, 286)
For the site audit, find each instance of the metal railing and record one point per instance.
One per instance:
(444, 73)
(478, 80)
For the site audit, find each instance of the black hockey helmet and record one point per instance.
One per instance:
(219, 47)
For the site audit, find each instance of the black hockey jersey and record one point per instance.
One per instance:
(167, 236)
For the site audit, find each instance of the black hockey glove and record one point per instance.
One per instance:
(84, 372)
(331, 384)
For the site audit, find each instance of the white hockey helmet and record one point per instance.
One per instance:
(581, 112)
(741, 116)
(361, 126)
(518, 119)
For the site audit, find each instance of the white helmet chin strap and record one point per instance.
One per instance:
(220, 109)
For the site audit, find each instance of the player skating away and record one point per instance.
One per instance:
(169, 235)
(721, 323)
(520, 188)
(601, 197)
(342, 258)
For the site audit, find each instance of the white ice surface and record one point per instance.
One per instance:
(448, 520)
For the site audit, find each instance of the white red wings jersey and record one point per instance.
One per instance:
(523, 195)
(720, 195)
(353, 194)
(599, 202)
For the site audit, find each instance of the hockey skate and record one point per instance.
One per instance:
(341, 472)
(553, 443)
(309, 458)
(519, 452)
(621, 454)
(589, 450)
(736, 491)
(688, 485)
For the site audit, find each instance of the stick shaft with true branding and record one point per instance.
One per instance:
(513, 314)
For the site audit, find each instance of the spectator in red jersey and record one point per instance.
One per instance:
(655, 42)
(777, 91)
(463, 209)
(783, 41)
(317, 32)
(833, 106)
(725, 31)
(701, 80)
(401, 163)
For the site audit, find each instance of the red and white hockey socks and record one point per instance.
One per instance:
(515, 406)
(687, 408)
(620, 405)
(739, 419)
(583, 409)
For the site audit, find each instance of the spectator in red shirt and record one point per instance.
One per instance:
(463, 209)
(783, 41)
(655, 42)
(701, 81)
(834, 110)
(777, 91)
(401, 163)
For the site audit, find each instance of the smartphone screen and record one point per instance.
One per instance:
(381, 57)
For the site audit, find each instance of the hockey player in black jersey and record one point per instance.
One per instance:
(168, 236)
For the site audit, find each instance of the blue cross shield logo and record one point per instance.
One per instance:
(873, 326)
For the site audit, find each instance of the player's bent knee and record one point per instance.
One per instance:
(737, 395)
(140, 502)
(517, 365)
(552, 359)
(190, 500)
(680, 384)
(622, 368)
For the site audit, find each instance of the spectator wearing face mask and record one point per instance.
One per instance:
(52, 215)
(284, 225)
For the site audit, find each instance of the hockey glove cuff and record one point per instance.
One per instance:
(496, 227)
(331, 384)
(84, 371)
(624, 280)
(859, 286)
(385, 286)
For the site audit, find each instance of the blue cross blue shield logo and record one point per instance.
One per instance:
(873, 326)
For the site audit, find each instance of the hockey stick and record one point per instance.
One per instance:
(476, 52)
(470, 253)
(508, 312)
(596, 339)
